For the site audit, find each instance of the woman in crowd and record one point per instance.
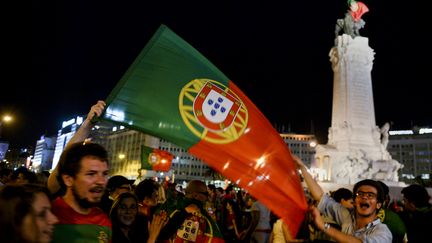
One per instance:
(231, 219)
(126, 228)
(26, 214)
(123, 214)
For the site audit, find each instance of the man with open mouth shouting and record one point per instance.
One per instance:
(359, 224)
(82, 176)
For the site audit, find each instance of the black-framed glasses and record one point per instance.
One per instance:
(368, 195)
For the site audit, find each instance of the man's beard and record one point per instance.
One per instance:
(83, 202)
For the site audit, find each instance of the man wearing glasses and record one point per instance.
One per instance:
(359, 224)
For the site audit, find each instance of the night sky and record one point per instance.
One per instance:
(60, 57)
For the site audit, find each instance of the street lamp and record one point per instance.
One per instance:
(5, 119)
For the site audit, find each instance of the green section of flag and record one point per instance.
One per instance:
(145, 163)
(147, 96)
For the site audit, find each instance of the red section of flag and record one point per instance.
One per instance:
(260, 162)
(361, 9)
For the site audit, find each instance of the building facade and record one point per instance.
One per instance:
(186, 166)
(412, 148)
(4, 146)
(64, 135)
(302, 145)
(44, 153)
(124, 149)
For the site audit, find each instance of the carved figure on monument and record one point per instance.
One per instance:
(386, 170)
(385, 134)
(352, 22)
(334, 59)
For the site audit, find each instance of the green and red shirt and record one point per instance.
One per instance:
(77, 227)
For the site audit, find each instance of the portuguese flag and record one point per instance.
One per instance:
(173, 92)
(155, 159)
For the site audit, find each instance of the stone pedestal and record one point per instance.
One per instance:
(354, 150)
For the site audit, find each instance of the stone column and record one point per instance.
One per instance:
(353, 115)
(354, 148)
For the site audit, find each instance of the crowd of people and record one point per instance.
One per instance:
(79, 201)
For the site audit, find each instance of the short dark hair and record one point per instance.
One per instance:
(145, 189)
(229, 188)
(416, 194)
(116, 181)
(385, 188)
(70, 159)
(369, 182)
(342, 193)
(30, 176)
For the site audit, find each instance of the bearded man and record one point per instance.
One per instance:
(81, 176)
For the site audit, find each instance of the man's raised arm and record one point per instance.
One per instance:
(80, 135)
(314, 188)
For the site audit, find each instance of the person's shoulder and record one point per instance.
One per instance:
(98, 217)
(378, 225)
(59, 205)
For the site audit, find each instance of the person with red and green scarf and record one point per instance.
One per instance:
(188, 220)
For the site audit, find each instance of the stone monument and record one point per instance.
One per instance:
(356, 147)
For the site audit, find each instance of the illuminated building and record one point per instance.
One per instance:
(44, 153)
(186, 166)
(124, 147)
(413, 148)
(64, 135)
(301, 145)
(3, 149)
(124, 151)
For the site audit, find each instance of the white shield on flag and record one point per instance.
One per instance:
(216, 107)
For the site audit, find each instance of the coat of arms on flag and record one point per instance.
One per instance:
(212, 111)
(214, 108)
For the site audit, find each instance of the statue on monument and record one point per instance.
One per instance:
(352, 22)
(385, 134)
